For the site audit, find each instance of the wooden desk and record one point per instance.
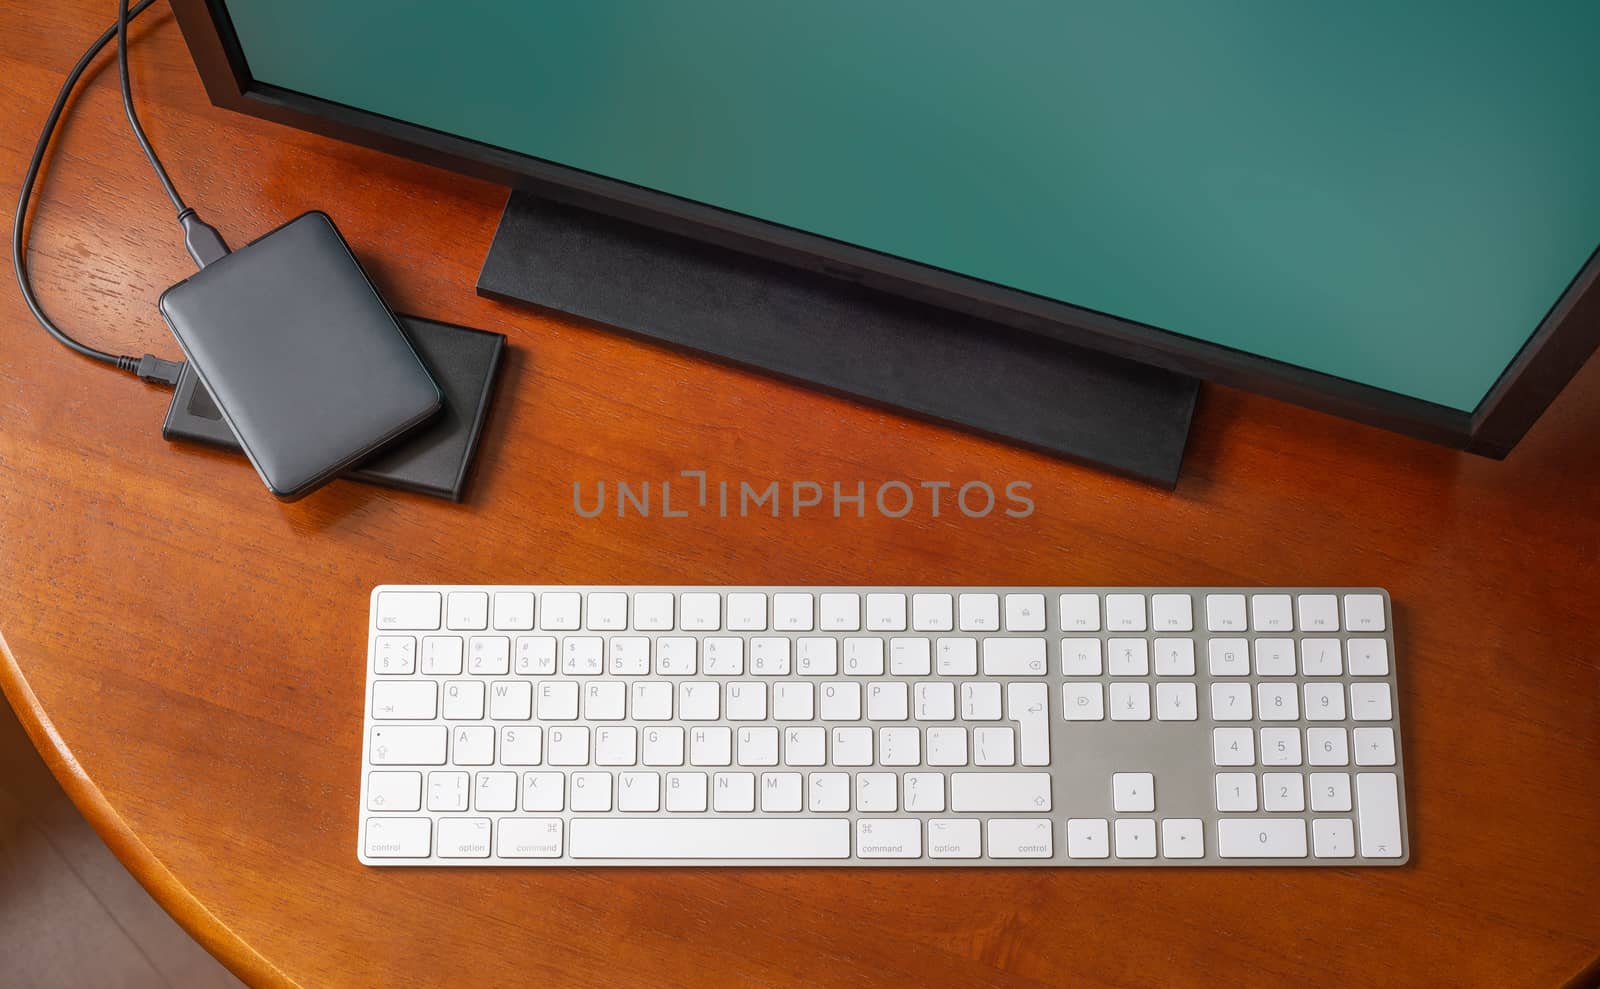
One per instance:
(188, 653)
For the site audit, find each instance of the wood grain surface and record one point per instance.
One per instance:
(188, 653)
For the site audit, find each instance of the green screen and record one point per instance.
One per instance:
(1392, 193)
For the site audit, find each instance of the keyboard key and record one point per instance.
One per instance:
(1319, 613)
(1327, 747)
(1370, 702)
(1284, 838)
(407, 745)
(1368, 657)
(544, 791)
(1233, 747)
(989, 792)
(1128, 657)
(910, 657)
(686, 793)
(1080, 612)
(464, 837)
(1136, 838)
(877, 792)
(1088, 838)
(405, 700)
(1320, 658)
(653, 611)
(1283, 792)
(889, 838)
(819, 657)
(1275, 658)
(980, 612)
(408, 610)
(792, 613)
(886, 612)
(1175, 657)
(513, 611)
(398, 837)
(712, 838)
(1364, 613)
(1027, 839)
(1080, 657)
(529, 837)
(559, 611)
(1080, 702)
(1125, 613)
(899, 746)
(1278, 701)
(1271, 613)
(781, 792)
(557, 700)
(886, 701)
(1028, 704)
(1183, 838)
(521, 746)
(699, 611)
(1130, 702)
(1333, 838)
(1280, 746)
(840, 613)
(747, 612)
(448, 791)
(394, 791)
(1229, 657)
(1225, 613)
(924, 793)
(957, 657)
(1025, 613)
(1171, 613)
(954, 839)
(494, 792)
(1378, 810)
(804, 746)
(947, 746)
(842, 701)
(1324, 701)
(733, 793)
(933, 612)
(1176, 702)
(724, 656)
(1374, 746)
(394, 655)
(864, 657)
(1230, 702)
(829, 793)
(608, 611)
(852, 746)
(468, 610)
(663, 746)
(1013, 656)
(936, 701)
(1133, 793)
(1330, 793)
(1236, 792)
(535, 656)
(980, 701)
(993, 747)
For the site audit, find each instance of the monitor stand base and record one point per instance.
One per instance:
(1079, 404)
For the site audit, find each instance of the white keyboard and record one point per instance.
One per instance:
(881, 726)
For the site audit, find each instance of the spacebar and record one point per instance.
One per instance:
(708, 838)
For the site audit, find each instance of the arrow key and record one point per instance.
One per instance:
(1183, 838)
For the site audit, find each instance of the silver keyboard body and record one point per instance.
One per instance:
(445, 781)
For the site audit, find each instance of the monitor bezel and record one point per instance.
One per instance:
(1552, 355)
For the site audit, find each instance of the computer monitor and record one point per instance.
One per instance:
(1386, 211)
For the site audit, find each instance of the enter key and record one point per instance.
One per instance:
(1028, 704)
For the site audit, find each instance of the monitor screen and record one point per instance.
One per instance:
(1393, 194)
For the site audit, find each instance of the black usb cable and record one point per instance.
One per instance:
(203, 242)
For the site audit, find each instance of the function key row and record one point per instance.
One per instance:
(755, 611)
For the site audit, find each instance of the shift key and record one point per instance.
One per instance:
(981, 792)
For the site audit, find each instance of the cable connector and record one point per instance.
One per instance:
(201, 239)
(155, 371)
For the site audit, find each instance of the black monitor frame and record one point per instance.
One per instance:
(1555, 351)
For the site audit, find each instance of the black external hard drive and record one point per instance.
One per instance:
(308, 366)
(432, 459)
